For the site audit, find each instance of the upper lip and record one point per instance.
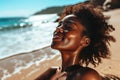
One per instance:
(57, 37)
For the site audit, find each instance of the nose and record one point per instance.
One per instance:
(59, 29)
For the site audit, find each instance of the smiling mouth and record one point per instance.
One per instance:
(57, 38)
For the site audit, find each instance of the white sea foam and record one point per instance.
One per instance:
(17, 68)
(5, 74)
(40, 19)
(30, 38)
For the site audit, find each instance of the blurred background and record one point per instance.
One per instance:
(26, 28)
(23, 22)
(27, 25)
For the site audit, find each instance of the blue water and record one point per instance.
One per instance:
(18, 35)
(13, 22)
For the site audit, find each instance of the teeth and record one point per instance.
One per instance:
(56, 36)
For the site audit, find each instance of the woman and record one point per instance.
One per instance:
(82, 37)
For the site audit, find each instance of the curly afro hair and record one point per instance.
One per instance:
(97, 29)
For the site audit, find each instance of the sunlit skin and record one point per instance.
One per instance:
(68, 38)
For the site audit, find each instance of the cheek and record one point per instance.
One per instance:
(74, 42)
(71, 43)
(74, 38)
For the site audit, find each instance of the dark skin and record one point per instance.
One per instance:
(69, 40)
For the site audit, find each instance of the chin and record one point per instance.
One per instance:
(53, 46)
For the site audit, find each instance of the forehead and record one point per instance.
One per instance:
(70, 18)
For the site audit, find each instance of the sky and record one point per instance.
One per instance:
(13, 8)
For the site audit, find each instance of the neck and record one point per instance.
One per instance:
(69, 59)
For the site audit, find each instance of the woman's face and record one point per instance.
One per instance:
(68, 34)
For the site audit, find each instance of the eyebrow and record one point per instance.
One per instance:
(72, 21)
(69, 21)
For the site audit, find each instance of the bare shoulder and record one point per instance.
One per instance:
(47, 74)
(91, 74)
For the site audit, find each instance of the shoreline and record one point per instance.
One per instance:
(19, 63)
(34, 71)
(23, 53)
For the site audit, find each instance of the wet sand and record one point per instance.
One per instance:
(28, 66)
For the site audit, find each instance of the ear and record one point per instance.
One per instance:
(85, 41)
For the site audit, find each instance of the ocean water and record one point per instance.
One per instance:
(19, 34)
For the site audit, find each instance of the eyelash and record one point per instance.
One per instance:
(67, 27)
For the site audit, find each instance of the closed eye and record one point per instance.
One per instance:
(67, 27)
(60, 23)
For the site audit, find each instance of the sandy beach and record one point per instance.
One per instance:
(36, 66)
(8, 66)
